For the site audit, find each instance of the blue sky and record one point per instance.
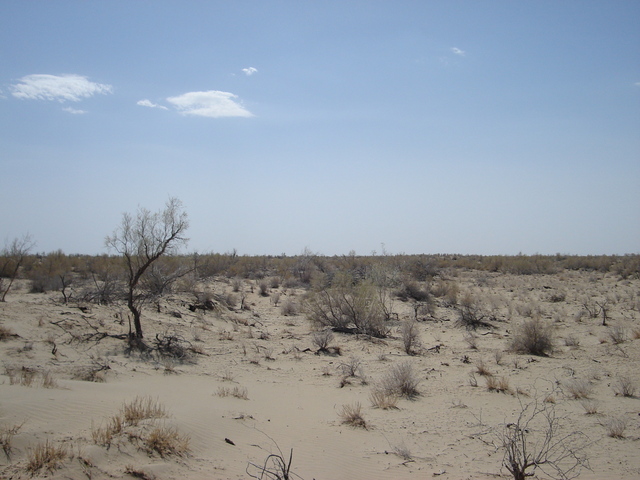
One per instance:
(489, 127)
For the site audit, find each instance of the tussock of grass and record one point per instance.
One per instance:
(142, 408)
(166, 441)
(45, 456)
(351, 415)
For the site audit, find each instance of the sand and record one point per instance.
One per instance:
(294, 396)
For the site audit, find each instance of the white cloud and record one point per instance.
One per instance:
(74, 111)
(212, 104)
(457, 51)
(57, 87)
(150, 104)
(249, 71)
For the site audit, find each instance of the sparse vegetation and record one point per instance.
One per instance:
(577, 389)
(351, 414)
(533, 337)
(401, 380)
(166, 441)
(45, 456)
(616, 426)
(625, 387)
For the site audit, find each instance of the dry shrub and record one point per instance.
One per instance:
(617, 334)
(322, 339)
(104, 435)
(590, 406)
(5, 333)
(625, 387)
(481, 369)
(401, 380)
(616, 426)
(289, 308)
(635, 333)
(352, 415)
(138, 473)
(45, 456)
(237, 392)
(410, 337)
(6, 438)
(534, 337)
(578, 389)
(21, 376)
(495, 384)
(142, 408)
(571, 341)
(384, 400)
(167, 441)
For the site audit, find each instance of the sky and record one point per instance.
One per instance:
(473, 127)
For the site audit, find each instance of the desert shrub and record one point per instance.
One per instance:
(104, 435)
(495, 384)
(352, 367)
(401, 380)
(617, 334)
(571, 341)
(322, 339)
(616, 426)
(348, 308)
(5, 333)
(45, 456)
(536, 440)
(533, 337)
(410, 337)
(382, 399)
(624, 387)
(6, 438)
(142, 408)
(236, 392)
(578, 388)
(471, 316)
(289, 308)
(590, 406)
(263, 287)
(352, 415)
(166, 441)
(481, 369)
(412, 291)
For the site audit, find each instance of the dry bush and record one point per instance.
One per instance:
(401, 380)
(138, 473)
(617, 334)
(166, 441)
(571, 341)
(349, 308)
(104, 435)
(412, 291)
(6, 438)
(537, 440)
(45, 456)
(472, 340)
(624, 387)
(289, 308)
(471, 316)
(352, 415)
(263, 287)
(616, 426)
(534, 337)
(48, 381)
(590, 406)
(635, 333)
(481, 369)
(322, 339)
(382, 399)
(578, 388)
(495, 384)
(352, 367)
(410, 337)
(237, 392)
(6, 333)
(142, 408)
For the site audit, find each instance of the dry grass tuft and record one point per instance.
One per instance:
(625, 387)
(166, 441)
(142, 408)
(615, 427)
(590, 406)
(237, 392)
(495, 384)
(351, 415)
(578, 389)
(6, 438)
(45, 456)
(382, 399)
(481, 369)
(138, 473)
(401, 380)
(5, 333)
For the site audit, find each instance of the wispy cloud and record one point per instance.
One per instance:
(57, 87)
(74, 111)
(249, 71)
(213, 103)
(150, 104)
(457, 51)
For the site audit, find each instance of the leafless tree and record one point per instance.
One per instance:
(141, 240)
(11, 259)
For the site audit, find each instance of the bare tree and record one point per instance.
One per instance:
(141, 241)
(11, 259)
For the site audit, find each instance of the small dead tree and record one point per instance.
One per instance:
(141, 241)
(11, 259)
(536, 440)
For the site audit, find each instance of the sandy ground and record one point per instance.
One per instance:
(452, 430)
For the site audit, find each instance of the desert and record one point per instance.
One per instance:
(446, 367)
